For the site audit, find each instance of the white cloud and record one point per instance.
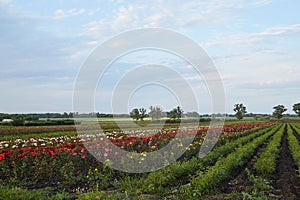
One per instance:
(250, 38)
(60, 13)
(91, 43)
(173, 14)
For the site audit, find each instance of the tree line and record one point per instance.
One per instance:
(278, 113)
(156, 113)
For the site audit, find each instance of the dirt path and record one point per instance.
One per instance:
(287, 184)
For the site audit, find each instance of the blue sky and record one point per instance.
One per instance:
(255, 45)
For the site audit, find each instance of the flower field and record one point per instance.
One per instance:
(243, 164)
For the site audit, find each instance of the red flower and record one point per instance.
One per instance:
(2, 156)
(51, 152)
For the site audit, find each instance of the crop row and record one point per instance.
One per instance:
(207, 181)
(156, 181)
(294, 146)
(65, 161)
(265, 165)
(296, 127)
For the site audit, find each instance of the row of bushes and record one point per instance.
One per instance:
(294, 147)
(207, 181)
(266, 163)
(189, 120)
(156, 181)
(51, 122)
(21, 122)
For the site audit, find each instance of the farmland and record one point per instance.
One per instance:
(251, 160)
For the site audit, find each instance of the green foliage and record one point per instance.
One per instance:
(156, 182)
(207, 181)
(16, 193)
(296, 109)
(278, 111)
(294, 147)
(50, 122)
(260, 189)
(99, 195)
(35, 116)
(240, 110)
(142, 113)
(138, 113)
(155, 113)
(18, 121)
(266, 164)
(176, 113)
(135, 114)
(75, 174)
(192, 114)
(95, 195)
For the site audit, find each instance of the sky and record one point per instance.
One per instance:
(254, 45)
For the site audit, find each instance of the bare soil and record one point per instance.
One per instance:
(286, 183)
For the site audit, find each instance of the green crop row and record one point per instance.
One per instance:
(294, 147)
(156, 182)
(266, 163)
(207, 181)
(296, 127)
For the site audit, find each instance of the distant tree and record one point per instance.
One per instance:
(296, 109)
(30, 118)
(278, 112)
(155, 113)
(176, 113)
(71, 115)
(192, 114)
(142, 113)
(179, 112)
(173, 114)
(135, 114)
(240, 111)
(18, 121)
(65, 115)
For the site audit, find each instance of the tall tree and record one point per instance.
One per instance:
(240, 111)
(155, 113)
(142, 113)
(296, 109)
(179, 112)
(176, 113)
(135, 114)
(173, 114)
(278, 111)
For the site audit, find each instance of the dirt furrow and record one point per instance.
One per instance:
(239, 179)
(296, 134)
(286, 183)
